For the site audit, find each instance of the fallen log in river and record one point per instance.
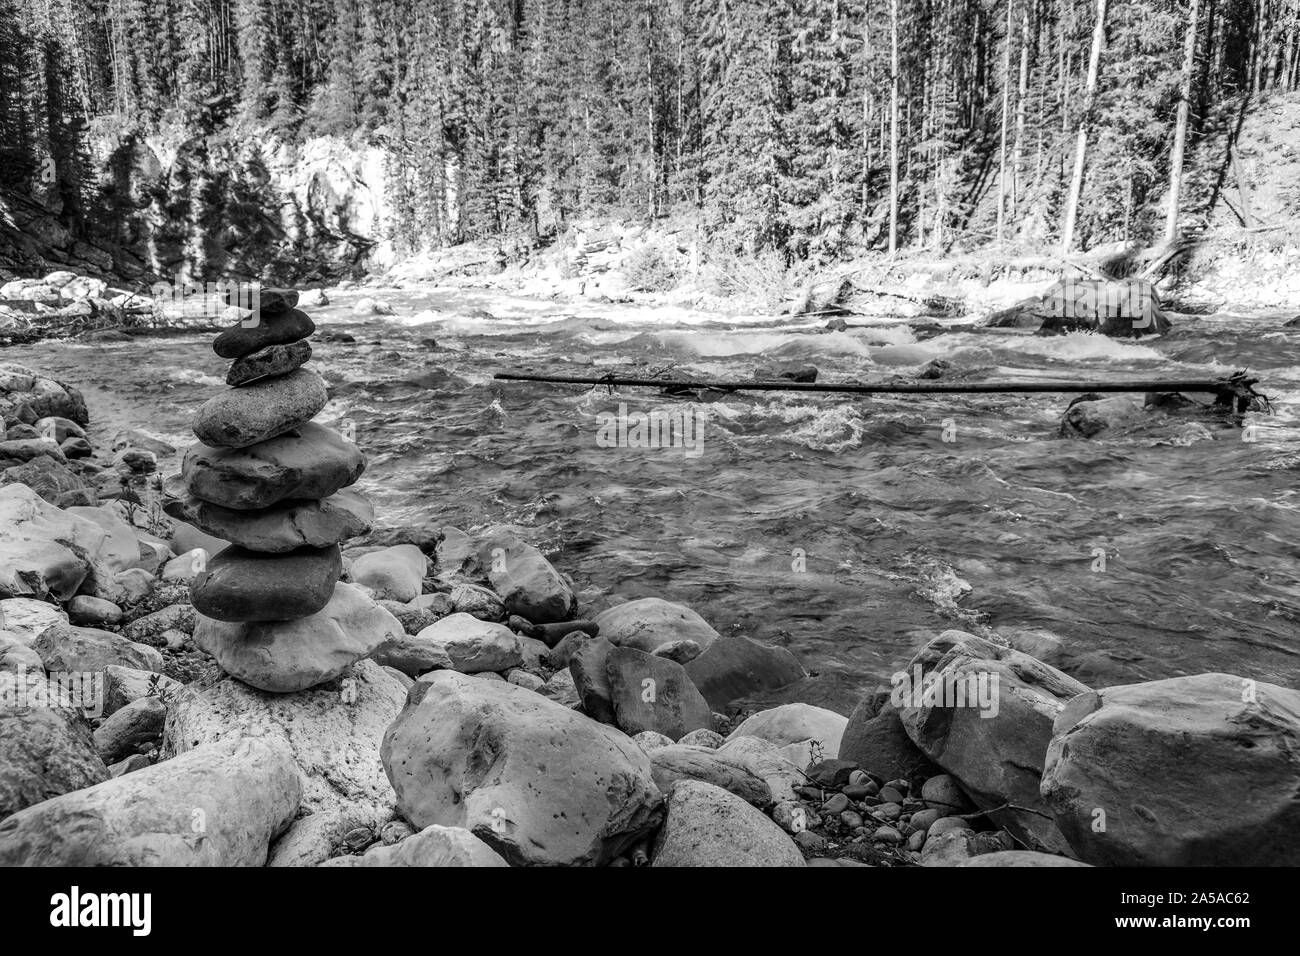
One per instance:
(1236, 391)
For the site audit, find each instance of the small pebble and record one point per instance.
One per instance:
(890, 794)
(809, 840)
(923, 819)
(851, 819)
(703, 738)
(888, 835)
(836, 804)
(358, 839)
(887, 811)
(394, 831)
(944, 824)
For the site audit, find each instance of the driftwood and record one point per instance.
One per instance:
(1228, 390)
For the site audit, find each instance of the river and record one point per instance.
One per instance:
(847, 529)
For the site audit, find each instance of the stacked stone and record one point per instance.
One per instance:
(266, 478)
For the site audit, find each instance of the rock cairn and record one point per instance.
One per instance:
(270, 481)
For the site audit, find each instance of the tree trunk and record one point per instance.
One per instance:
(1002, 152)
(1085, 116)
(1180, 130)
(1022, 96)
(893, 126)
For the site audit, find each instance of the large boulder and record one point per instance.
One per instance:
(1189, 771)
(45, 751)
(287, 656)
(219, 805)
(588, 662)
(435, 846)
(1014, 858)
(653, 693)
(649, 623)
(239, 417)
(46, 552)
(25, 618)
(984, 713)
(676, 762)
(135, 728)
(333, 731)
(539, 783)
(471, 646)
(735, 666)
(1092, 414)
(311, 463)
(16, 657)
(527, 582)
(121, 547)
(66, 647)
(768, 761)
(51, 481)
(707, 826)
(796, 724)
(45, 397)
(1127, 308)
(876, 740)
(393, 574)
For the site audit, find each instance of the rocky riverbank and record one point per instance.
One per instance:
(453, 701)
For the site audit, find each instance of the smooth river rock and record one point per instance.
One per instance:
(996, 742)
(707, 826)
(44, 752)
(218, 805)
(314, 463)
(46, 552)
(528, 583)
(735, 666)
(239, 417)
(677, 762)
(648, 623)
(243, 585)
(794, 724)
(472, 646)
(288, 656)
(435, 846)
(261, 330)
(539, 783)
(334, 731)
(65, 647)
(653, 693)
(394, 574)
(285, 526)
(1189, 771)
(268, 362)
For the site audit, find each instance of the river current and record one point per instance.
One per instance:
(849, 529)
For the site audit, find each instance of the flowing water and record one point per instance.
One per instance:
(847, 529)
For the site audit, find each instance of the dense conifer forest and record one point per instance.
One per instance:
(811, 129)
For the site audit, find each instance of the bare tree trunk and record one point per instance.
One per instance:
(866, 110)
(1180, 130)
(1002, 152)
(893, 126)
(1022, 95)
(1085, 116)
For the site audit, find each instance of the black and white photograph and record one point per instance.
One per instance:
(652, 434)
